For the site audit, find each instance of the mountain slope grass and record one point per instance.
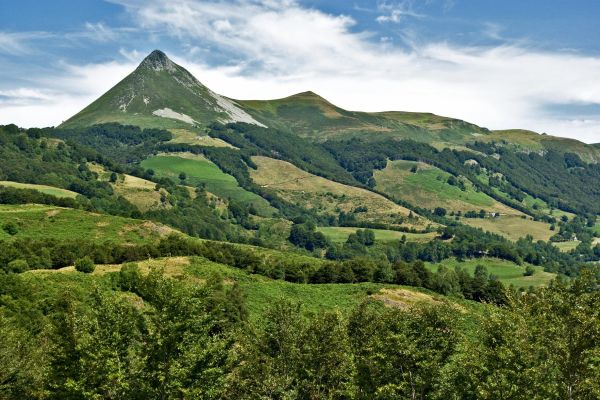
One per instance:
(512, 227)
(507, 272)
(428, 187)
(48, 222)
(51, 190)
(261, 292)
(339, 234)
(328, 197)
(198, 171)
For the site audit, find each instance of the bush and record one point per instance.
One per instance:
(10, 228)
(85, 265)
(529, 270)
(18, 266)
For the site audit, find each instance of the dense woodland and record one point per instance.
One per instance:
(134, 336)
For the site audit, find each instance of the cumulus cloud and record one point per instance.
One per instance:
(273, 48)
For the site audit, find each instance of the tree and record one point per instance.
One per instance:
(113, 177)
(10, 228)
(439, 211)
(182, 176)
(85, 265)
(529, 270)
(18, 266)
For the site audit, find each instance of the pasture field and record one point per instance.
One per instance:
(512, 227)
(507, 272)
(200, 170)
(339, 234)
(140, 192)
(261, 292)
(567, 246)
(428, 187)
(326, 196)
(51, 190)
(49, 222)
(191, 137)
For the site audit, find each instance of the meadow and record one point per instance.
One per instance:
(51, 190)
(512, 227)
(339, 234)
(260, 292)
(507, 272)
(34, 221)
(199, 170)
(428, 187)
(326, 196)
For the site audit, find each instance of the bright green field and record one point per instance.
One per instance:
(49, 222)
(200, 170)
(51, 190)
(429, 187)
(340, 234)
(506, 271)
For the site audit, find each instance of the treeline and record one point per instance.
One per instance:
(22, 255)
(136, 337)
(125, 143)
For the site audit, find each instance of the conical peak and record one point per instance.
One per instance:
(158, 61)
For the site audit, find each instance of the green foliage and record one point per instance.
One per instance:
(85, 265)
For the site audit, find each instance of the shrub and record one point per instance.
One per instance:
(10, 228)
(85, 265)
(18, 266)
(529, 270)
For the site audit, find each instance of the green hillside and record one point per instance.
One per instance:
(199, 170)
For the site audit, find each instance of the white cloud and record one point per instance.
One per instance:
(61, 96)
(280, 48)
(18, 43)
(396, 12)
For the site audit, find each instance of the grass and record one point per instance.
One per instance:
(512, 227)
(507, 272)
(428, 187)
(200, 170)
(48, 222)
(567, 246)
(326, 196)
(191, 137)
(340, 234)
(260, 292)
(51, 190)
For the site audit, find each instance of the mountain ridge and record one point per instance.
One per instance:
(162, 94)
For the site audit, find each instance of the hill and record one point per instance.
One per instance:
(160, 94)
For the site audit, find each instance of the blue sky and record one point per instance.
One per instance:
(501, 64)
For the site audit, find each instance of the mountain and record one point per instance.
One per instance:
(160, 94)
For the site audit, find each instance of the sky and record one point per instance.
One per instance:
(500, 64)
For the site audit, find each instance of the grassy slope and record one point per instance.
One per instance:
(201, 170)
(260, 292)
(314, 192)
(533, 141)
(340, 234)
(512, 227)
(51, 190)
(428, 188)
(139, 192)
(49, 222)
(506, 271)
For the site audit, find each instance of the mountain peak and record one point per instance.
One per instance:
(158, 61)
